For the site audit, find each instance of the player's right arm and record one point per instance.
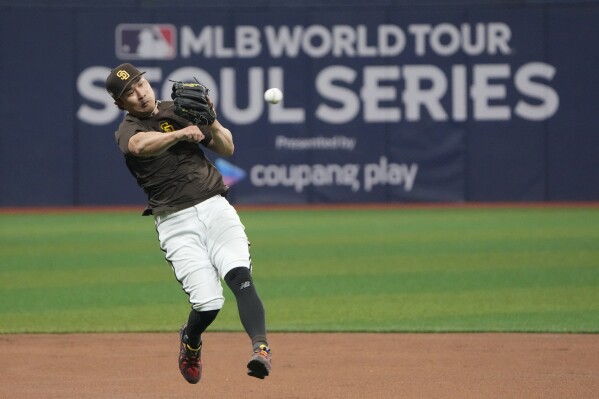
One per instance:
(150, 144)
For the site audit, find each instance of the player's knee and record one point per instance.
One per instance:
(240, 279)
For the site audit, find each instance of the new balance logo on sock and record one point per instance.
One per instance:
(245, 284)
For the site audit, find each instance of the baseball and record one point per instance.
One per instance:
(273, 95)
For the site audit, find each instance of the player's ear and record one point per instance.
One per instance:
(119, 103)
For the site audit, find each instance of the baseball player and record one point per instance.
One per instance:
(199, 232)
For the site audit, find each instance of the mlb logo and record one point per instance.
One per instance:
(146, 42)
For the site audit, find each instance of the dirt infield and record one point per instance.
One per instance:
(304, 366)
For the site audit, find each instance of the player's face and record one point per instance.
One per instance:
(139, 97)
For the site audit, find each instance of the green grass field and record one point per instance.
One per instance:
(389, 270)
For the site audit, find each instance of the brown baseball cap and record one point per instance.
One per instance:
(121, 77)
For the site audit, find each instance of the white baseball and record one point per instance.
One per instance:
(273, 95)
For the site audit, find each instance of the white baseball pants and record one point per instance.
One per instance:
(202, 244)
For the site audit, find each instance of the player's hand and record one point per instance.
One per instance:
(190, 133)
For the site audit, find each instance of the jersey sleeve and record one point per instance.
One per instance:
(126, 130)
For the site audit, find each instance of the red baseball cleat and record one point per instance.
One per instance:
(190, 363)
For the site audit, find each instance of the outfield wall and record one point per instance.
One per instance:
(393, 103)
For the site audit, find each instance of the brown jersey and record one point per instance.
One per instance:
(180, 177)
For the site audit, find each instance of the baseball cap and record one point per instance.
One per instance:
(119, 78)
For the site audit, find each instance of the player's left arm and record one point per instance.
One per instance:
(222, 139)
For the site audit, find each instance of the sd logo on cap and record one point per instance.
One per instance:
(119, 78)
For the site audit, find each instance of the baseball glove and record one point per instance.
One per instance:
(192, 103)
